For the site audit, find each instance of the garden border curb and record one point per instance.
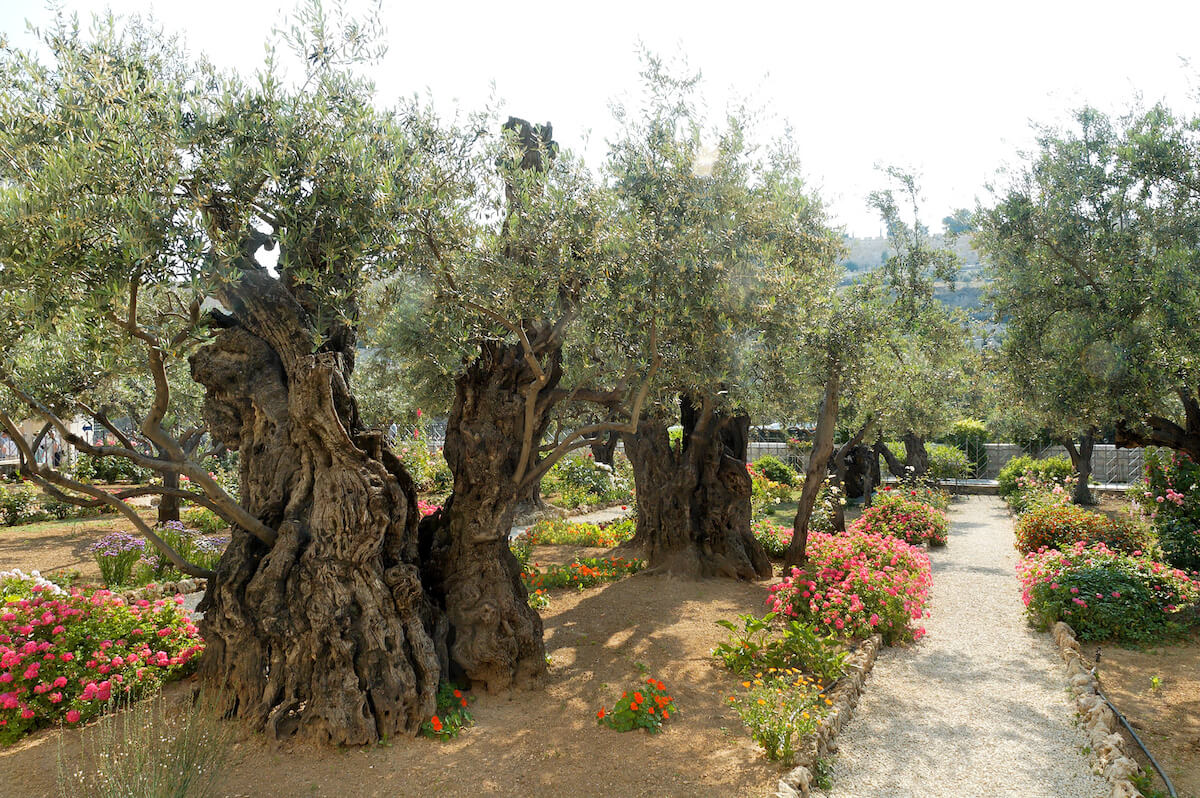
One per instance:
(798, 782)
(1109, 750)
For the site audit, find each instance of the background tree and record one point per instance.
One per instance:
(1092, 247)
(731, 252)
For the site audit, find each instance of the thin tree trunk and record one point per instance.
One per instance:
(815, 472)
(873, 473)
(1081, 459)
(606, 452)
(893, 462)
(168, 506)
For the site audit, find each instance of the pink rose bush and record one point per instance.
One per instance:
(63, 656)
(1106, 594)
(858, 584)
(912, 521)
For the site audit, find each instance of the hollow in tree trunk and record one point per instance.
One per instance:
(1081, 459)
(694, 501)
(324, 632)
(495, 638)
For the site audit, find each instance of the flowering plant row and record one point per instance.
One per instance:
(644, 708)
(64, 655)
(583, 572)
(1170, 498)
(560, 532)
(1105, 594)
(1061, 526)
(912, 521)
(858, 583)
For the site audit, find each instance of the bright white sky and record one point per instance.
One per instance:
(946, 89)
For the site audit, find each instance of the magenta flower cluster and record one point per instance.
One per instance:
(858, 584)
(63, 657)
(912, 521)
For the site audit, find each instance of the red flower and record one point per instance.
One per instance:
(437, 724)
(600, 715)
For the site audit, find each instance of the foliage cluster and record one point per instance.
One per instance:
(575, 482)
(1170, 497)
(859, 584)
(776, 470)
(779, 708)
(452, 716)
(765, 492)
(761, 644)
(426, 466)
(915, 489)
(893, 514)
(580, 573)
(125, 559)
(947, 461)
(64, 655)
(643, 708)
(561, 532)
(20, 504)
(970, 435)
(109, 470)
(1061, 526)
(1056, 470)
(1105, 594)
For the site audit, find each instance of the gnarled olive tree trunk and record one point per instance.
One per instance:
(495, 638)
(325, 631)
(694, 501)
(916, 456)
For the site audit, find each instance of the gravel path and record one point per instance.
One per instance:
(977, 708)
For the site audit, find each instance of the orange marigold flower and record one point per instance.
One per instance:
(638, 697)
(666, 715)
(437, 724)
(651, 710)
(600, 715)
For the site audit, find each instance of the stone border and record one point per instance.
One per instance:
(798, 782)
(163, 590)
(1109, 750)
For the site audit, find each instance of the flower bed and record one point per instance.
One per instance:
(583, 572)
(1061, 526)
(64, 655)
(859, 584)
(1172, 501)
(912, 521)
(559, 532)
(775, 538)
(1105, 594)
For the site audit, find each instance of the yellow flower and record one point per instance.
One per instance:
(745, 684)
(761, 702)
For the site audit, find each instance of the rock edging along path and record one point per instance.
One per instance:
(977, 707)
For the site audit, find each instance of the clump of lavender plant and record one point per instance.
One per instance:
(116, 553)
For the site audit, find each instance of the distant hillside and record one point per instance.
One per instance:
(865, 254)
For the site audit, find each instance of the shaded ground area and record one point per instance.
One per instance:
(979, 706)
(58, 545)
(546, 743)
(1166, 713)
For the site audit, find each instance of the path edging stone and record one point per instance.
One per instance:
(798, 782)
(1109, 750)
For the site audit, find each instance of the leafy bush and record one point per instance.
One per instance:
(1061, 526)
(452, 715)
(1105, 594)
(777, 471)
(1170, 497)
(65, 655)
(858, 584)
(582, 572)
(760, 645)
(1055, 470)
(558, 531)
(580, 481)
(948, 462)
(917, 490)
(894, 515)
(427, 467)
(192, 545)
(204, 521)
(766, 492)
(108, 470)
(970, 435)
(779, 710)
(19, 505)
(646, 708)
(775, 538)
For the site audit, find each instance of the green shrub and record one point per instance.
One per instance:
(19, 505)
(765, 492)
(760, 644)
(1061, 526)
(578, 481)
(775, 538)
(427, 467)
(1048, 470)
(1107, 595)
(915, 489)
(204, 520)
(89, 468)
(970, 435)
(777, 470)
(948, 462)
(1170, 497)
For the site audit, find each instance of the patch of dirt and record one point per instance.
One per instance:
(542, 743)
(53, 546)
(1166, 717)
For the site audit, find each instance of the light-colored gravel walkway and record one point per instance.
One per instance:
(979, 707)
